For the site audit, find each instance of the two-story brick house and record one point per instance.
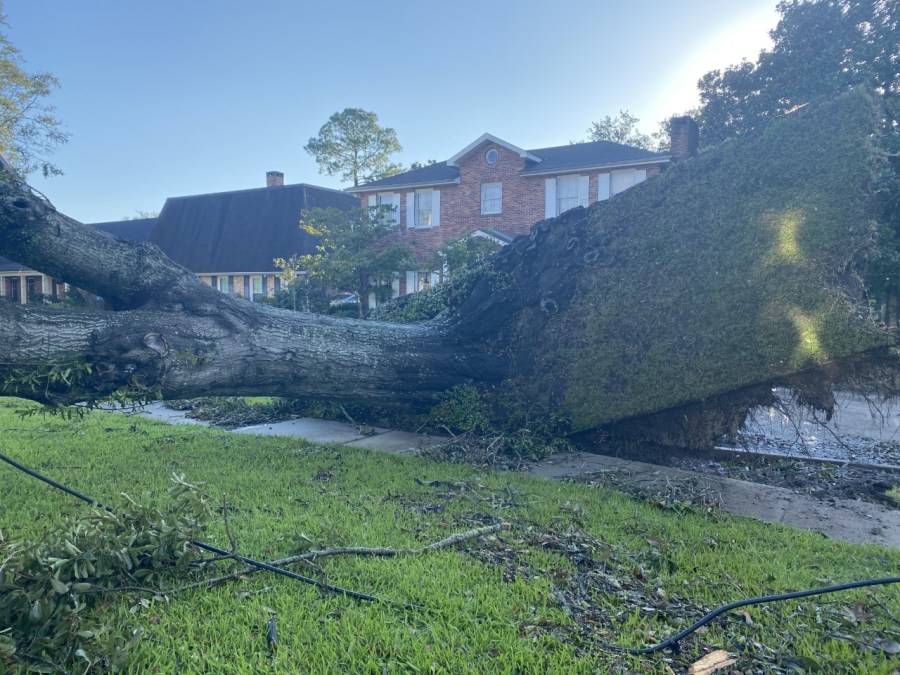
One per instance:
(494, 188)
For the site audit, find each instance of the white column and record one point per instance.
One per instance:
(23, 289)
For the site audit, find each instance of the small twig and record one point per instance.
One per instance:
(875, 600)
(352, 550)
(271, 634)
(347, 415)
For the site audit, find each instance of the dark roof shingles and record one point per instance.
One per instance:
(596, 153)
(425, 175)
(560, 159)
(241, 231)
(137, 229)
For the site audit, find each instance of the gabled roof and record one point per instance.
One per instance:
(594, 155)
(137, 229)
(440, 173)
(544, 161)
(490, 138)
(241, 231)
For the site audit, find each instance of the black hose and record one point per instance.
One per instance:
(671, 643)
(214, 549)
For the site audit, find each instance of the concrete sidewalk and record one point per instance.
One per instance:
(842, 520)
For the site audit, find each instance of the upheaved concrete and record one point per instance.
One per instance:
(843, 520)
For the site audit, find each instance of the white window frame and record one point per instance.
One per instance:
(631, 178)
(428, 220)
(391, 199)
(421, 280)
(491, 199)
(413, 210)
(223, 283)
(570, 201)
(256, 280)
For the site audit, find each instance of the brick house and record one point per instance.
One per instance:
(21, 284)
(493, 188)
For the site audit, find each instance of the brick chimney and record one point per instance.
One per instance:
(685, 138)
(274, 178)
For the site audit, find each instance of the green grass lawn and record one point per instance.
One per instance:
(576, 565)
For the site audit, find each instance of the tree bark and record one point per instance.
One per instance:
(172, 335)
(732, 272)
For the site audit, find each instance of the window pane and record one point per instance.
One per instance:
(386, 200)
(491, 198)
(566, 193)
(423, 209)
(621, 180)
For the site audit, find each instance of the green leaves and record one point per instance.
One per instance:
(29, 128)
(353, 144)
(353, 253)
(48, 588)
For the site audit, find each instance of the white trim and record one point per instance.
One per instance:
(238, 274)
(435, 208)
(490, 138)
(410, 210)
(602, 186)
(401, 186)
(550, 197)
(594, 167)
(486, 235)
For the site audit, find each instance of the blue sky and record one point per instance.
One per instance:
(179, 97)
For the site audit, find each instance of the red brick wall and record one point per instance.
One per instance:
(460, 210)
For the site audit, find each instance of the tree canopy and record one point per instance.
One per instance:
(620, 129)
(352, 143)
(29, 128)
(821, 49)
(354, 253)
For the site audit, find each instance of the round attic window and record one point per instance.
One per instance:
(491, 156)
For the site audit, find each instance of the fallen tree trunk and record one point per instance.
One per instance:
(733, 271)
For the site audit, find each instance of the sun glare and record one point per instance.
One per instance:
(742, 38)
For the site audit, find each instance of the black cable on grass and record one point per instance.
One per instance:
(218, 551)
(672, 642)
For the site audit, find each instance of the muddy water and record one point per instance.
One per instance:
(861, 431)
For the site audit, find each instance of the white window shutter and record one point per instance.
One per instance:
(640, 175)
(395, 284)
(583, 190)
(412, 282)
(373, 201)
(436, 208)
(550, 198)
(602, 186)
(410, 210)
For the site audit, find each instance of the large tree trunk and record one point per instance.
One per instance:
(731, 272)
